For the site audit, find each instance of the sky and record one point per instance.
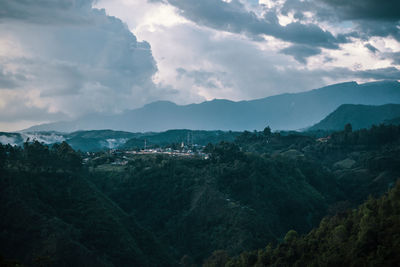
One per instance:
(62, 59)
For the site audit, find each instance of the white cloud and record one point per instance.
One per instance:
(61, 59)
(232, 65)
(72, 67)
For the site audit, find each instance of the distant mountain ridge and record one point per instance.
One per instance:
(280, 112)
(359, 116)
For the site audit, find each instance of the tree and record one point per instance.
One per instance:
(3, 156)
(267, 131)
(66, 156)
(36, 154)
(290, 236)
(348, 128)
(218, 259)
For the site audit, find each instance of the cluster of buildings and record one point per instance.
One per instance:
(122, 156)
(185, 152)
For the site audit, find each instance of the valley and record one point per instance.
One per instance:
(247, 193)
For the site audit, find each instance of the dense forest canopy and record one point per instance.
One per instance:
(61, 207)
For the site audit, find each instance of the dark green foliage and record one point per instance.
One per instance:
(367, 236)
(3, 157)
(238, 200)
(36, 154)
(66, 156)
(218, 259)
(348, 128)
(37, 157)
(260, 142)
(233, 201)
(51, 215)
(263, 187)
(374, 137)
(267, 131)
(9, 263)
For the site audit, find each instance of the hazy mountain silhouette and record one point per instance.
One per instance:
(360, 116)
(285, 111)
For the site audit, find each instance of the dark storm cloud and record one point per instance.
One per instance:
(46, 11)
(370, 17)
(233, 17)
(301, 52)
(368, 28)
(385, 10)
(371, 48)
(376, 10)
(389, 73)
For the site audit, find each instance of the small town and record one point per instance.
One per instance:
(121, 157)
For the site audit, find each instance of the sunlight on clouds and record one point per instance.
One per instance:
(34, 99)
(9, 47)
(142, 15)
(193, 50)
(352, 57)
(272, 3)
(285, 20)
(163, 15)
(388, 44)
(271, 44)
(175, 44)
(355, 56)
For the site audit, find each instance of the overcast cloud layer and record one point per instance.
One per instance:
(60, 59)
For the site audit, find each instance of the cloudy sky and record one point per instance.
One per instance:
(61, 59)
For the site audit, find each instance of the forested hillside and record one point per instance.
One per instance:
(367, 236)
(159, 209)
(52, 215)
(235, 200)
(359, 116)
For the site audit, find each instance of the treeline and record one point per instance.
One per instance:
(367, 236)
(267, 141)
(35, 155)
(374, 137)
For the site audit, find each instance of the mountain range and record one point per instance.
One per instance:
(280, 112)
(359, 116)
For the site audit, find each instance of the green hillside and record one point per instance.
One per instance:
(159, 210)
(359, 116)
(51, 215)
(367, 236)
